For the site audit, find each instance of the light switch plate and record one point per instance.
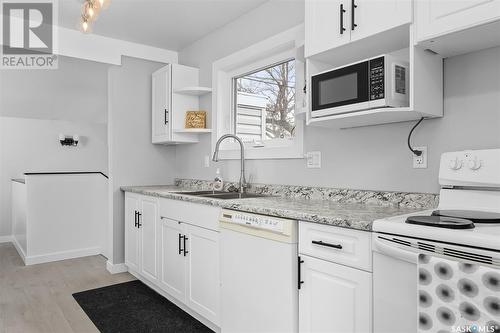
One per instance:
(420, 162)
(313, 159)
(206, 161)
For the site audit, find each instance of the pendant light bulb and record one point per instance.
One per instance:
(85, 26)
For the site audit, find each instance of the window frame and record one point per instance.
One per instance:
(274, 50)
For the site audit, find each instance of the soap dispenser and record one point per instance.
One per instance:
(218, 183)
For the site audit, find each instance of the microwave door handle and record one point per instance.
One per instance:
(395, 252)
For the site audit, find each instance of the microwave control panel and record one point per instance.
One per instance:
(377, 78)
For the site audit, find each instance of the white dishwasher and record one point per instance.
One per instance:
(258, 273)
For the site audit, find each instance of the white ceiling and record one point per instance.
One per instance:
(169, 24)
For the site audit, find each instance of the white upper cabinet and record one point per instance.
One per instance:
(175, 90)
(332, 23)
(369, 17)
(323, 29)
(161, 104)
(438, 17)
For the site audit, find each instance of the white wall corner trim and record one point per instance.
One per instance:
(93, 47)
(116, 268)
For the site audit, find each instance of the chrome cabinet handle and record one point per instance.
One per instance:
(166, 116)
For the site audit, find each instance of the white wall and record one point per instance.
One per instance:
(31, 145)
(37, 105)
(76, 91)
(133, 160)
(362, 158)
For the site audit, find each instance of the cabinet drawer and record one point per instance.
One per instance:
(340, 245)
(196, 214)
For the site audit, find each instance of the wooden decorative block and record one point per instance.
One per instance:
(196, 119)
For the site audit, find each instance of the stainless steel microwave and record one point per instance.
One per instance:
(373, 83)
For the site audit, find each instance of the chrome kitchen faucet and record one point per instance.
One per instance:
(215, 158)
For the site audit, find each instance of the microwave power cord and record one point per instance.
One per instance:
(414, 151)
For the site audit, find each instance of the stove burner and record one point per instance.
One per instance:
(473, 215)
(440, 222)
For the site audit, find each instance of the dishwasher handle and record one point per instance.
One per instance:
(390, 249)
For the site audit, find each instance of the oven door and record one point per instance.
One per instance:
(341, 90)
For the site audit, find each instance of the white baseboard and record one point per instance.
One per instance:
(19, 249)
(56, 256)
(6, 239)
(116, 268)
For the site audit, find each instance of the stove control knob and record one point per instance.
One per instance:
(455, 163)
(474, 163)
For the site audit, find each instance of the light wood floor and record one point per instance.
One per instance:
(38, 298)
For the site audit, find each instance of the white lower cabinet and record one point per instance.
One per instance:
(202, 271)
(334, 298)
(180, 258)
(190, 266)
(141, 216)
(148, 219)
(173, 275)
(335, 293)
(132, 203)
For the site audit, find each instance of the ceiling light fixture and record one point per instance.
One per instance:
(90, 11)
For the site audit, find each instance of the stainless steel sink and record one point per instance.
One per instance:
(221, 194)
(233, 195)
(199, 193)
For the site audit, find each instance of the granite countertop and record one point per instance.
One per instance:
(354, 215)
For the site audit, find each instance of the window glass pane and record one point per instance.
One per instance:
(265, 103)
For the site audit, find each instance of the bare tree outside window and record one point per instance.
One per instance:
(265, 103)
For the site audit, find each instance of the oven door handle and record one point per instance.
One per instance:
(390, 249)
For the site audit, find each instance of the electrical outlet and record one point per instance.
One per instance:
(420, 162)
(207, 161)
(313, 159)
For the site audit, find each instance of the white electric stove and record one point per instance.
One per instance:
(465, 228)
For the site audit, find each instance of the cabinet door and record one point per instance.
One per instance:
(323, 25)
(148, 232)
(438, 17)
(368, 17)
(203, 289)
(131, 232)
(161, 103)
(334, 298)
(172, 260)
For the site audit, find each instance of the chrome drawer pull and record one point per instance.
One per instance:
(335, 246)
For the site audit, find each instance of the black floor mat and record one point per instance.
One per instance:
(134, 307)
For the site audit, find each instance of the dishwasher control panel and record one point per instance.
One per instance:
(256, 221)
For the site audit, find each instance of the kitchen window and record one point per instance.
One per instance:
(264, 103)
(257, 91)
